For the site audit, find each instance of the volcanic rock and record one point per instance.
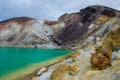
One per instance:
(80, 25)
(28, 32)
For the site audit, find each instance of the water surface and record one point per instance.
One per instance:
(12, 59)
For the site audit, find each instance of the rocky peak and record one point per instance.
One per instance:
(80, 25)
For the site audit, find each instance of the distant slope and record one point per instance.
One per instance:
(28, 32)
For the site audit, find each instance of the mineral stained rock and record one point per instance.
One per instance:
(62, 69)
(95, 33)
(68, 31)
(101, 58)
(28, 32)
(73, 69)
(82, 24)
(59, 72)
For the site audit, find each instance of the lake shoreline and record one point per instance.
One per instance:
(52, 62)
(31, 71)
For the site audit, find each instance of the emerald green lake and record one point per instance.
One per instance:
(12, 58)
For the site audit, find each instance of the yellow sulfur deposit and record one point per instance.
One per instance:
(73, 69)
(59, 72)
(101, 57)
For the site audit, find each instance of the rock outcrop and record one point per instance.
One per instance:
(103, 54)
(94, 34)
(80, 25)
(28, 32)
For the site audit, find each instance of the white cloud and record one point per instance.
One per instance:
(48, 9)
(21, 3)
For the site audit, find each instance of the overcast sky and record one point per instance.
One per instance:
(48, 9)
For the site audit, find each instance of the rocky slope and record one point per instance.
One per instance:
(93, 33)
(28, 32)
(83, 24)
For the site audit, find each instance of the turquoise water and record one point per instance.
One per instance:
(12, 58)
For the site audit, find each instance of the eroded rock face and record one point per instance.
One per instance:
(28, 32)
(78, 26)
(102, 56)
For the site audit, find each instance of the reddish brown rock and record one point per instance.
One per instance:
(99, 60)
(51, 23)
(102, 56)
(19, 20)
(77, 24)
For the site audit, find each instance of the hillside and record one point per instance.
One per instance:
(92, 33)
(28, 32)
